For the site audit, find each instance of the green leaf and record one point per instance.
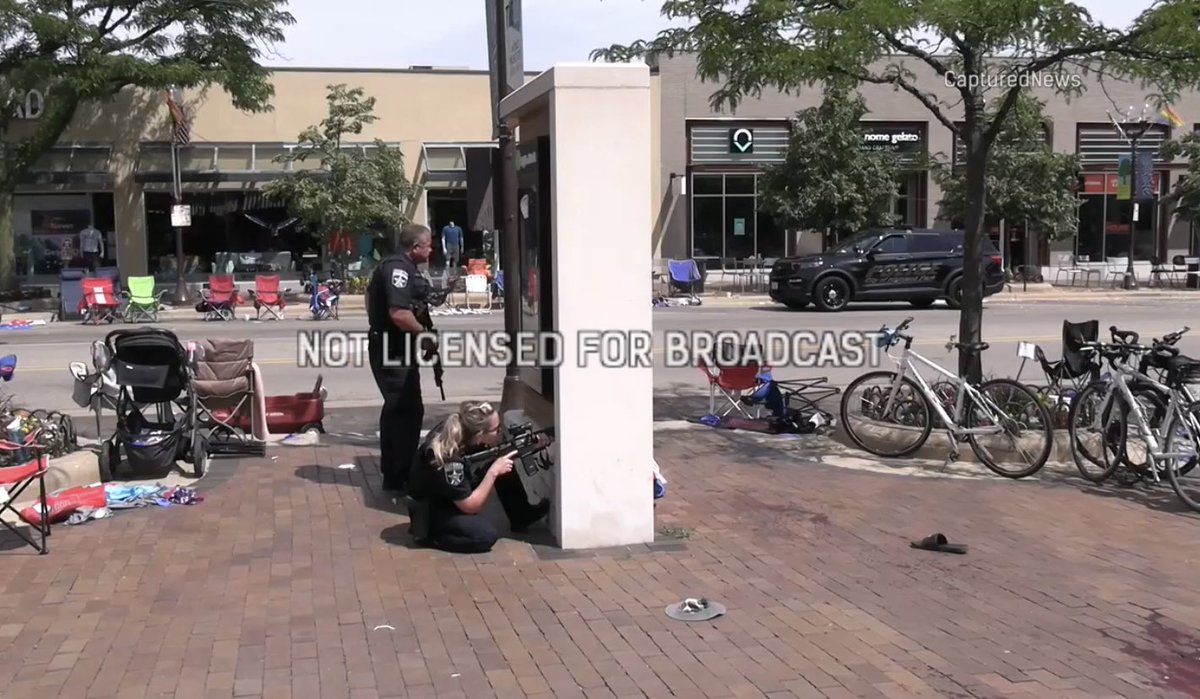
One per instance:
(354, 187)
(810, 190)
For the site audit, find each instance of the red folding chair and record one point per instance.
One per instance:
(100, 303)
(736, 383)
(219, 301)
(15, 480)
(267, 296)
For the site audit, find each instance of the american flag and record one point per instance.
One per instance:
(182, 130)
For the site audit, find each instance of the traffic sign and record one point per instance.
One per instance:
(741, 140)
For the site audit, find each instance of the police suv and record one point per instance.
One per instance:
(914, 265)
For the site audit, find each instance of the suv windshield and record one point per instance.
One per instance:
(862, 240)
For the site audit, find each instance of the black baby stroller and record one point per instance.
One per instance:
(153, 373)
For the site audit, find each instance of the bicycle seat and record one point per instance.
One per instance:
(971, 347)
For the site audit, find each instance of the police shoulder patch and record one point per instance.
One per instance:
(399, 278)
(455, 473)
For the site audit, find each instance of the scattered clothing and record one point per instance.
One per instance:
(127, 497)
(661, 301)
(87, 514)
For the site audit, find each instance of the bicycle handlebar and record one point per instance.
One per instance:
(1126, 337)
(889, 337)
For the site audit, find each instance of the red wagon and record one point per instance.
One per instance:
(299, 412)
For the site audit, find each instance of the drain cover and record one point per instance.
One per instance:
(693, 609)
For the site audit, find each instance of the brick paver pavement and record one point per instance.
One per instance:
(294, 580)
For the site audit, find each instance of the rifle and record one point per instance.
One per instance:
(426, 321)
(522, 439)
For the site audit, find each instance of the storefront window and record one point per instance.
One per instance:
(1104, 221)
(231, 233)
(46, 230)
(726, 220)
(909, 206)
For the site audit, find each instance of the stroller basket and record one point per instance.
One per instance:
(151, 449)
(141, 375)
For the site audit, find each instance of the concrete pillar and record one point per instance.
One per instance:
(598, 120)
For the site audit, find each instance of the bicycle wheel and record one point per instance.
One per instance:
(899, 419)
(1023, 418)
(1183, 436)
(1135, 450)
(1096, 429)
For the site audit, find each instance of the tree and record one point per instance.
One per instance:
(810, 190)
(355, 187)
(77, 52)
(1185, 195)
(964, 48)
(1026, 180)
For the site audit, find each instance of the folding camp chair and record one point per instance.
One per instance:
(14, 480)
(225, 396)
(736, 381)
(219, 301)
(685, 276)
(100, 303)
(141, 303)
(477, 284)
(1076, 369)
(267, 296)
(796, 402)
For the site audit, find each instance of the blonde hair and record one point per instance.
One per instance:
(473, 418)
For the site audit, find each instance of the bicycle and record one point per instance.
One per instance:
(1172, 438)
(904, 405)
(1095, 403)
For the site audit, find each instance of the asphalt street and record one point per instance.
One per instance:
(42, 379)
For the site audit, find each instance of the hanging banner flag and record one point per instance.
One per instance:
(1124, 177)
(1145, 176)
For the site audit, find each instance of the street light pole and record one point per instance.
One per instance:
(1133, 130)
(505, 202)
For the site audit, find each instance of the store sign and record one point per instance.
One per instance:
(741, 141)
(895, 140)
(31, 105)
(181, 216)
(1109, 183)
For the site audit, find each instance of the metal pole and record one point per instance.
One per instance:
(181, 295)
(504, 191)
(1130, 276)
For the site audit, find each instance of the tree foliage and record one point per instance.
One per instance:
(965, 50)
(85, 51)
(1186, 193)
(1027, 181)
(355, 187)
(811, 190)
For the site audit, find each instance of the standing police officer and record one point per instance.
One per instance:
(396, 292)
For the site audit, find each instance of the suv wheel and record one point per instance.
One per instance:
(954, 293)
(921, 303)
(832, 294)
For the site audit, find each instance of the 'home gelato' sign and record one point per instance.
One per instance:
(891, 139)
(31, 105)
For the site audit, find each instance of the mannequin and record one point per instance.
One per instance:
(452, 246)
(91, 246)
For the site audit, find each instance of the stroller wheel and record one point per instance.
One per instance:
(199, 454)
(110, 457)
(314, 427)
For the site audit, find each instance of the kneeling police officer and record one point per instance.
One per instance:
(453, 496)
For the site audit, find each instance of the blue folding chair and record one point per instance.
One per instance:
(685, 276)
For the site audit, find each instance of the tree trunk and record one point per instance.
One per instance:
(970, 321)
(8, 258)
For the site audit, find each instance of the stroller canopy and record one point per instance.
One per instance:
(150, 361)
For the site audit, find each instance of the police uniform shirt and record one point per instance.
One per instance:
(397, 283)
(443, 485)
